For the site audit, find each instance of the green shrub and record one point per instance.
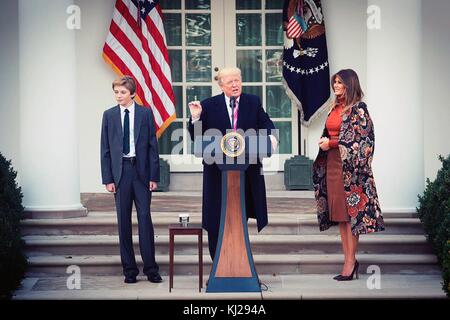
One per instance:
(12, 259)
(434, 212)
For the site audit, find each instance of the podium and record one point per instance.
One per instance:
(233, 269)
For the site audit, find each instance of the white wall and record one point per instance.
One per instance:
(393, 97)
(9, 82)
(436, 83)
(345, 23)
(94, 87)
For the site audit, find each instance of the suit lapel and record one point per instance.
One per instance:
(241, 108)
(222, 107)
(118, 121)
(137, 121)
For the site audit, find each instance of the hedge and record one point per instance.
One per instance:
(13, 262)
(434, 212)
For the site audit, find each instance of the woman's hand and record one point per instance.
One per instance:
(324, 143)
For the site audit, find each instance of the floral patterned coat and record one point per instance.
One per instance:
(356, 146)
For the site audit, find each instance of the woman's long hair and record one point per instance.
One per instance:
(353, 92)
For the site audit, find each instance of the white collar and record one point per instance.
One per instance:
(130, 108)
(227, 100)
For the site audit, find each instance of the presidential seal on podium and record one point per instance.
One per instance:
(232, 144)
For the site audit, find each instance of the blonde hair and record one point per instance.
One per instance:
(227, 72)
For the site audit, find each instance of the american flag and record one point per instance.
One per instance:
(136, 46)
(294, 27)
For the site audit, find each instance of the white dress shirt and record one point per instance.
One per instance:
(131, 116)
(227, 102)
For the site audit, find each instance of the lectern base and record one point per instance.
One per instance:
(222, 284)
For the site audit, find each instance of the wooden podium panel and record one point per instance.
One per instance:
(233, 259)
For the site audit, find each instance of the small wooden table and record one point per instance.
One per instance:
(190, 229)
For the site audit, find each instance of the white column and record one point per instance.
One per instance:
(49, 168)
(393, 97)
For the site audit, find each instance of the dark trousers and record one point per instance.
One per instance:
(132, 189)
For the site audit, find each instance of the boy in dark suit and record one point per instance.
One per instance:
(130, 169)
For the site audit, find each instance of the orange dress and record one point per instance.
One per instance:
(335, 181)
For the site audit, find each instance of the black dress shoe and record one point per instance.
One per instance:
(154, 277)
(130, 280)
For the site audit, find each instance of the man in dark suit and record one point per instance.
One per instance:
(130, 169)
(216, 113)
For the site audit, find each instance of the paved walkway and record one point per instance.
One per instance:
(286, 287)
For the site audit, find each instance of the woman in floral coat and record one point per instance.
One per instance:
(343, 180)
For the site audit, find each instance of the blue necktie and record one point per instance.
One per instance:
(126, 133)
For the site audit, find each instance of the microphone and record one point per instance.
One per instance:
(232, 104)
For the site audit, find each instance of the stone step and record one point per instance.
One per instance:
(192, 202)
(261, 244)
(267, 264)
(294, 202)
(286, 287)
(193, 181)
(105, 223)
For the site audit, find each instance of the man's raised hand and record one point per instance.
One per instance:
(196, 109)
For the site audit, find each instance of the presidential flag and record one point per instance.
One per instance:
(136, 46)
(306, 73)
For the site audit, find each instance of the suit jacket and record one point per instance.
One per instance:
(251, 115)
(146, 145)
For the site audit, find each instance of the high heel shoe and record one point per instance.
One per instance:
(350, 277)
